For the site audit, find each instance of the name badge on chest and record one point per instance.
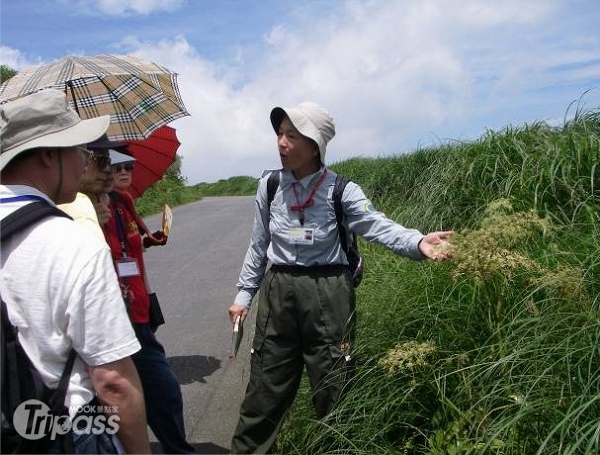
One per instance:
(127, 267)
(302, 236)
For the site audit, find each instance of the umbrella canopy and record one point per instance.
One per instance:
(139, 95)
(153, 157)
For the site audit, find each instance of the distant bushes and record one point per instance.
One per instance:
(172, 190)
(234, 186)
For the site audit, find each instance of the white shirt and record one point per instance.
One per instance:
(62, 292)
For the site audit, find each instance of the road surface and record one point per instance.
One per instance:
(194, 277)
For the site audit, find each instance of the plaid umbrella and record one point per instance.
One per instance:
(153, 157)
(139, 95)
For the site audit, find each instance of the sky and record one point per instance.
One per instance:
(396, 75)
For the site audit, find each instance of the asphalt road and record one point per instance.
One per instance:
(194, 276)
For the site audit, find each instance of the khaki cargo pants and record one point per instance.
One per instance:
(306, 317)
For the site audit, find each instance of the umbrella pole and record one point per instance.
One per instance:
(70, 85)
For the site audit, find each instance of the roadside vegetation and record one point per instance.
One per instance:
(496, 351)
(172, 190)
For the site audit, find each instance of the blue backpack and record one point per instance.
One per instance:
(355, 260)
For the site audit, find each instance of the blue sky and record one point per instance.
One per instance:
(396, 75)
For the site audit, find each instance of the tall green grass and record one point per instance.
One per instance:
(496, 351)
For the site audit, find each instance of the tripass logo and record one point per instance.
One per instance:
(33, 420)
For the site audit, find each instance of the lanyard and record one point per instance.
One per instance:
(309, 201)
(25, 197)
(117, 215)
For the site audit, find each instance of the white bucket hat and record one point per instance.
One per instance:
(44, 119)
(117, 157)
(311, 120)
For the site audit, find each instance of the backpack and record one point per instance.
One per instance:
(355, 260)
(20, 380)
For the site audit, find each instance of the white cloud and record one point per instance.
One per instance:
(275, 35)
(221, 138)
(395, 76)
(14, 58)
(128, 7)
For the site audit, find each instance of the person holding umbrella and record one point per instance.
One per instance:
(58, 281)
(88, 207)
(164, 402)
(165, 407)
(122, 169)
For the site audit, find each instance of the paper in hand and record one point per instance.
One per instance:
(236, 337)
(167, 220)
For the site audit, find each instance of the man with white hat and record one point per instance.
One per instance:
(306, 312)
(58, 281)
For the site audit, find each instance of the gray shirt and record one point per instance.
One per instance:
(279, 236)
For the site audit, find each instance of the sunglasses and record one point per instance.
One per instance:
(101, 160)
(119, 167)
(85, 153)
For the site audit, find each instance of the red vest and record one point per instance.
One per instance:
(121, 205)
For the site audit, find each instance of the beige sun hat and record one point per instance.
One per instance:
(311, 120)
(44, 119)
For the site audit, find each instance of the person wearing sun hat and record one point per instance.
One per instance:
(58, 280)
(122, 166)
(306, 310)
(123, 232)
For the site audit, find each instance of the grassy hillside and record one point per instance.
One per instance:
(496, 351)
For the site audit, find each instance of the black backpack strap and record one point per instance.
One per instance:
(338, 190)
(27, 215)
(15, 222)
(10, 401)
(272, 185)
(57, 403)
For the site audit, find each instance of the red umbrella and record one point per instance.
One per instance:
(153, 157)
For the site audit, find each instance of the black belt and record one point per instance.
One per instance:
(308, 269)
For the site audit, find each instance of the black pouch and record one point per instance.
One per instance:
(156, 315)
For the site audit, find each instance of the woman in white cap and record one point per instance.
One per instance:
(122, 166)
(307, 300)
(164, 402)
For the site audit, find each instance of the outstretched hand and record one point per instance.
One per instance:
(435, 246)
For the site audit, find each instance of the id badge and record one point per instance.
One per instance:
(302, 236)
(127, 267)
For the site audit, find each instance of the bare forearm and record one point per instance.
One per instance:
(118, 386)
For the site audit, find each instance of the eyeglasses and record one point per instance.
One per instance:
(119, 167)
(85, 153)
(101, 161)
